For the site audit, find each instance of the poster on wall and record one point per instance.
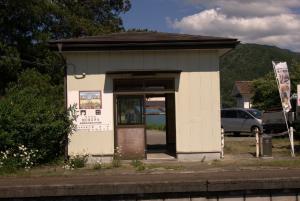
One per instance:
(91, 116)
(90, 100)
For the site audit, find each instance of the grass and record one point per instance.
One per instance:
(280, 146)
(141, 166)
(257, 163)
(239, 153)
(138, 165)
(165, 167)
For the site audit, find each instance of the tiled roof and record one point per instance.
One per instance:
(143, 40)
(242, 88)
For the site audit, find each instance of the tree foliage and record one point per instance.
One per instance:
(27, 25)
(32, 114)
(249, 62)
(32, 109)
(266, 93)
(10, 65)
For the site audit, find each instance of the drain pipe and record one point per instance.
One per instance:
(59, 47)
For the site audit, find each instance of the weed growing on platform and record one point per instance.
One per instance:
(16, 158)
(116, 162)
(76, 161)
(98, 165)
(138, 165)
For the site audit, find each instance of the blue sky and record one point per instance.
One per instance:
(152, 14)
(271, 22)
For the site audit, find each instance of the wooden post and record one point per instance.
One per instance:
(222, 142)
(257, 141)
(292, 141)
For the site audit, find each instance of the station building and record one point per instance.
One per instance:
(110, 77)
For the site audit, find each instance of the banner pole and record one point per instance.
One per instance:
(284, 113)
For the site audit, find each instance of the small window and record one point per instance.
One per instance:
(159, 85)
(122, 85)
(228, 114)
(243, 115)
(130, 110)
(132, 85)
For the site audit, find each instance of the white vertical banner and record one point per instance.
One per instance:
(284, 84)
(298, 95)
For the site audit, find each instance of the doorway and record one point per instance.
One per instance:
(144, 118)
(155, 120)
(159, 124)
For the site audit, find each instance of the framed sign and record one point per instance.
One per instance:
(90, 100)
(94, 110)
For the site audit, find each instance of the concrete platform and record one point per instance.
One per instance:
(143, 186)
(160, 156)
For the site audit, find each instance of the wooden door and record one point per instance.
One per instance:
(130, 126)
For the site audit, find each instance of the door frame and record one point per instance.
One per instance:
(116, 126)
(116, 94)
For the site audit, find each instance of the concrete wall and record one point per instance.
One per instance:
(197, 97)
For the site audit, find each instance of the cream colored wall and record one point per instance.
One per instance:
(197, 100)
(198, 112)
(92, 142)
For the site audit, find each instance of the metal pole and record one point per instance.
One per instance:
(257, 141)
(222, 142)
(291, 135)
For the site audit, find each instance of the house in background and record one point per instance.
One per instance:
(243, 92)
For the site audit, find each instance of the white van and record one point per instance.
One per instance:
(237, 120)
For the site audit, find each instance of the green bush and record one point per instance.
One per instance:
(76, 161)
(20, 157)
(32, 114)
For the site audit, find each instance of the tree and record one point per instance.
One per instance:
(10, 65)
(27, 25)
(266, 93)
(32, 114)
(249, 62)
(32, 109)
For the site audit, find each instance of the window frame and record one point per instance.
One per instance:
(141, 121)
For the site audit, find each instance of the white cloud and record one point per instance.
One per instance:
(268, 22)
(244, 8)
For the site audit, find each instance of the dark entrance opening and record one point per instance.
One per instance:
(144, 117)
(160, 126)
(155, 119)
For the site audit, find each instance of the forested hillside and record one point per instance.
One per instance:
(248, 62)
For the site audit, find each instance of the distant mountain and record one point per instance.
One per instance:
(248, 62)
